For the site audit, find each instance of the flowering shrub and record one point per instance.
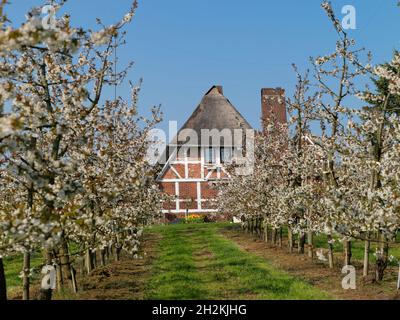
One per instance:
(342, 181)
(73, 162)
(195, 218)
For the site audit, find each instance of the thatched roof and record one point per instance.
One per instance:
(215, 112)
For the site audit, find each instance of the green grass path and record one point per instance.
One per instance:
(196, 262)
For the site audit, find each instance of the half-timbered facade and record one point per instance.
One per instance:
(194, 168)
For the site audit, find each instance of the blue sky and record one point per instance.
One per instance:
(183, 47)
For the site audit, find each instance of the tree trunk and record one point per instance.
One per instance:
(259, 228)
(112, 251)
(302, 241)
(26, 275)
(103, 257)
(93, 256)
(382, 259)
(73, 279)
(266, 235)
(3, 284)
(347, 252)
(117, 252)
(107, 249)
(274, 236)
(280, 237)
(82, 262)
(290, 240)
(330, 252)
(310, 242)
(65, 262)
(367, 245)
(60, 278)
(88, 261)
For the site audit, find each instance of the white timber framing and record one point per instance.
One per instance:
(198, 187)
(177, 201)
(215, 167)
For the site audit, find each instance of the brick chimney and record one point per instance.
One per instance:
(273, 106)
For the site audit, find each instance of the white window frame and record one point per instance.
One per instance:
(222, 154)
(207, 156)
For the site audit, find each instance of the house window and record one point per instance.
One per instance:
(209, 156)
(226, 154)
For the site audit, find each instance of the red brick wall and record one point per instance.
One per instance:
(168, 187)
(169, 205)
(180, 168)
(207, 192)
(194, 171)
(169, 175)
(188, 190)
(191, 204)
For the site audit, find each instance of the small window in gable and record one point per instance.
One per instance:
(209, 156)
(226, 154)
